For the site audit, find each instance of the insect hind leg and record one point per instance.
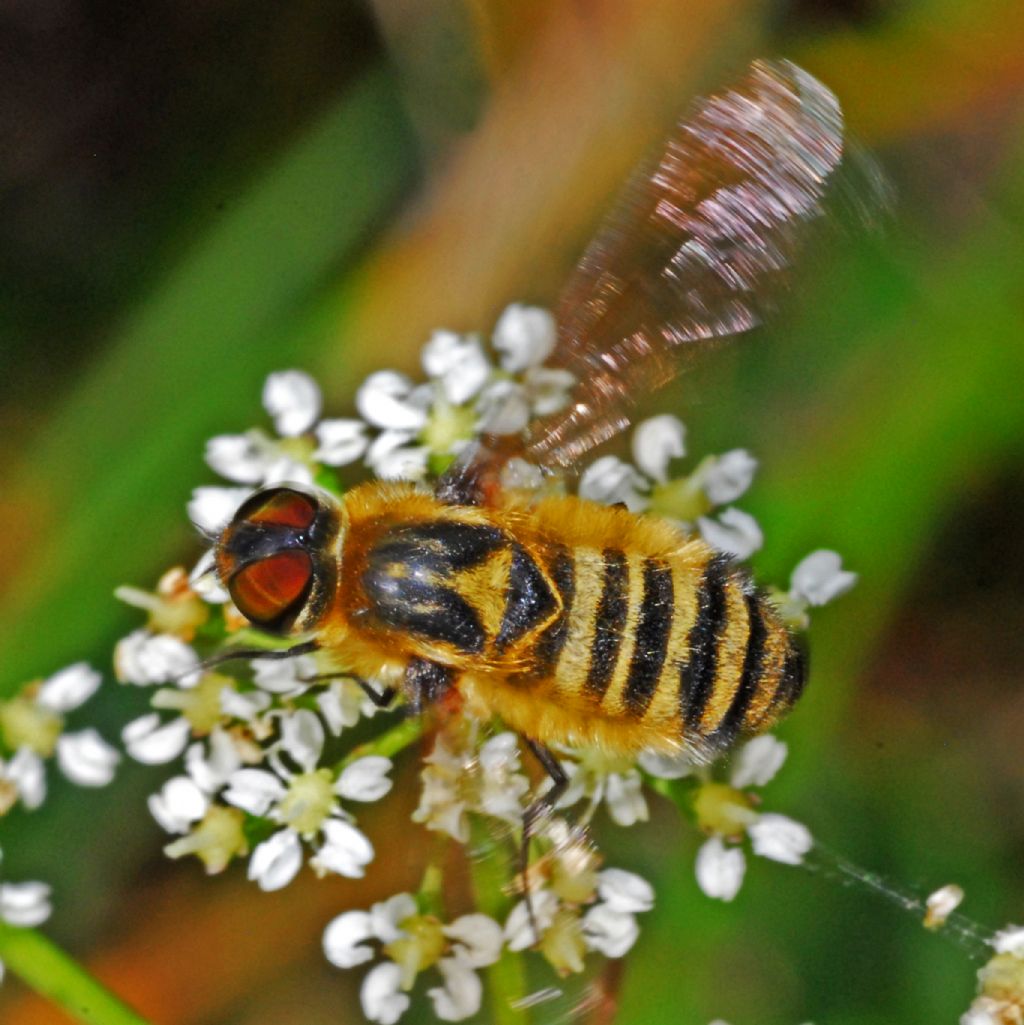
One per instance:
(536, 810)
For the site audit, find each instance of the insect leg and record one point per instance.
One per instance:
(537, 809)
(425, 682)
(381, 698)
(271, 655)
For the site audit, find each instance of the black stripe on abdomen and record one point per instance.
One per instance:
(750, 679)
(697, 673)
(652, 633)
(609, 621)
(793, 676)
(550, 642)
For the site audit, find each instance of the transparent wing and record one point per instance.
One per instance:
(699, 247)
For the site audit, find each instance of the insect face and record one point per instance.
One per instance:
(278, 558)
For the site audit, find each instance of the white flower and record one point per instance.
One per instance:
(757, 762)
(504, 408)
(1009, 941)
(242, 458)
(340, 442)
(69, 688)
(724, 478)
(211, 508)
(524, 337)
(381, 996)
(25, 905)
(27, 773)
(152, 742)
(293, 400)
(387, 399)
(286, 677)
(344, 851)
(519, 932)
(609, 480)
(780, 838)
(145, 658)
(86, 758)
(734, 533)
(458, 363)
(667, 766)
(477, 938)
(942, 902)
(720, 869)
(656, 442)
(388, 916)
(501, 786)
(608, 931)
(391, 457)
(276, 861)
(460, 995)
(343, 939)
(178, 804)
(820, 577)
(624, 891)
(204, 580)
(365, 779)
(621, 791)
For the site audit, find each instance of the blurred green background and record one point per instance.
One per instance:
(196, 194)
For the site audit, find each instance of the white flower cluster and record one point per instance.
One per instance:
(32, 729)
(1000, 999)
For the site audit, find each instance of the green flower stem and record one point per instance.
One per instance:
(390, 743)
(506, 978)
(48, 970)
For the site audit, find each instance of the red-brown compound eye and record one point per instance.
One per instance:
(267, 590)
(282, 506)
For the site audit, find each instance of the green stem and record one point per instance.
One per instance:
(390, 743)
(48, 970)
(506, 978)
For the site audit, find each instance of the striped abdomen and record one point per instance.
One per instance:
(696, 650)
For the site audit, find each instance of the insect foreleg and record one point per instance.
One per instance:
(425, 682)
(540, 806)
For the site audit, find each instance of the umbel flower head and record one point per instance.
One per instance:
(268, 764)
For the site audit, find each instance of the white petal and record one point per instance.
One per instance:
(86, 758)
(503, 408)
(343, 939)
(254, 790)
(211, 769)
(780, 838)
(302, 737)
(720, 869)
(458, 362)
(285, 676)
(1010, 941)
(624, 891)
(383, 1002)
(292, 398)
(340, 442)
(624, 799)
(204, 580)
(28, 773)
(548, 388)
(657, 441)
(524, 336)
(941, 903)
(734, 533)
(519, 933)
(276, 861)
(758, 761)
(25, 904)
(820, 577)
(242, 458)
(728, 476)
(385, 400)
(609, 480)
(151, 743)
(609, 932)
(285, 470)
(69, 688)
(459, 998)
(984, 1011)
(518, 473)
(666, 766)
(500, 753)
(403, 464)
(388, 916)
(178, 804)
(345, 851)
(245, 705)
(211, 509)
(478, 938)
(144, 658)
(366, 779)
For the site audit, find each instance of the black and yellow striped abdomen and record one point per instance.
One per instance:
(582, 623)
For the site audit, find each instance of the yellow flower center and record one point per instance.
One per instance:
(23, 723)
(421, 947)
(723, 809)
(309, 801)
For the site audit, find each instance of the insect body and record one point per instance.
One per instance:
(571, 621)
